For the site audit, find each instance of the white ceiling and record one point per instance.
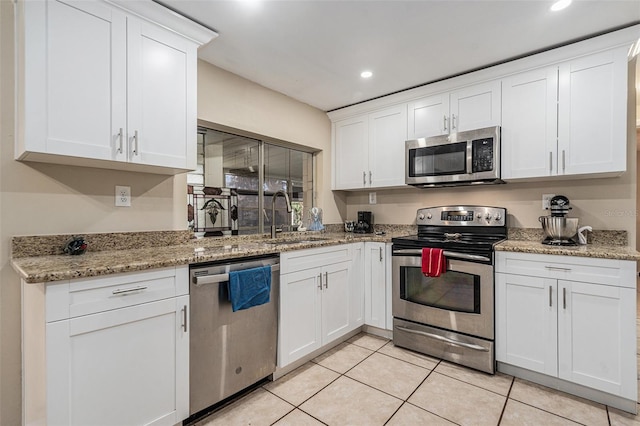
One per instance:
(314, 51)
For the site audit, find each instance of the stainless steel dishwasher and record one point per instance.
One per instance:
(229, 351)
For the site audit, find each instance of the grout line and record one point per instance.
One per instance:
(506, 400)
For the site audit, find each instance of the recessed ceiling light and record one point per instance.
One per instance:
(560, 4)
(366, 74)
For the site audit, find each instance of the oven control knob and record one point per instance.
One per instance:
(498, 216)
(421, 216)
(429, 216)
(488, 217)
(479, 215)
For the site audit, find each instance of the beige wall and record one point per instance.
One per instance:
(51, 199)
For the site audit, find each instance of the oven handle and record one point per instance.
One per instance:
(444, 339)
(453, 254)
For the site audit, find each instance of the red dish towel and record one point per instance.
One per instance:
(433, 262)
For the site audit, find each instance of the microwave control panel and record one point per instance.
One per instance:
(482, 150)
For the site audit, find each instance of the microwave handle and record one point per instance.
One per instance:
(452, 254)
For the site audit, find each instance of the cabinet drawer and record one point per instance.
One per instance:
(300, 260)
(620, 273)
(85, 296)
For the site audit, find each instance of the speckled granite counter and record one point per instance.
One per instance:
(34, 260)
(602, 244)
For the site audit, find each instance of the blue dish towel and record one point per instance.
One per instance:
(249, 287)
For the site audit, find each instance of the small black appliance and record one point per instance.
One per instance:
(364, 224)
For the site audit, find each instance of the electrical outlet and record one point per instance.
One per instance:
(372, 198)
(546, 198)
(123, 196)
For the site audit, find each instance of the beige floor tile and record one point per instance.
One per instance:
(519, 414)
(411, 415)
(297, 386)
(347, 402)
(256, 409)
(368, 341)
(622, 418)
(416, 358)
(298, 418)
(498, 383)
(458, 401)
(560, 403)
(390, 375)
(343, 357)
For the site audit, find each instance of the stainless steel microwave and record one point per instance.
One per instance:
(462, 158)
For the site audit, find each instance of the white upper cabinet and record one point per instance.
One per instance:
(567, 119)
(369, 149)
(592, 132)
(467, 108)
(101, 87)
(529, 123)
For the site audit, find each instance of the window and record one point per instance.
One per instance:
(251, 170)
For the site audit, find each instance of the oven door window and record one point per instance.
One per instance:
(452, 291)
(449, 159)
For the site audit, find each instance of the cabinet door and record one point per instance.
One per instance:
(597, 337)
(74, 79)
(300, 315)
(125, 366)
(351, 153)
(526, 322)
(375, 288)
(592, 133)
(529, 124)
(387, 136)
(336, 280)
(357, 287)
(428, 117)
(161, 94)
(475, 107)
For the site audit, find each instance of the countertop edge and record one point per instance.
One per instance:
(592, 251)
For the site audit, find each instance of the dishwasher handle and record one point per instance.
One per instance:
(220, 278)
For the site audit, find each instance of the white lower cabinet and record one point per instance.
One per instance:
(568, 317)
(319, 299)
(108, 350)
(375, 297)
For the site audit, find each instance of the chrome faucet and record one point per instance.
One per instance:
(273, 210)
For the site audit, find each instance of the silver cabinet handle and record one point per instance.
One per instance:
(369, 177)
(128, 290)
(184, 318)
(320, 281)
(444, 127)
(564, 298)
(444, 339)
(453, 121)
(563, 161)
(550, 162)
(557, 268)
(380, 248)
(550, 296)
(135, 143)
(120, 135)
(326, 280)
(364, 178)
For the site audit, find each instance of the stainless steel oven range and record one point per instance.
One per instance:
(450, 316)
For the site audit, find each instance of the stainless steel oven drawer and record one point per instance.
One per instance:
(462, 349)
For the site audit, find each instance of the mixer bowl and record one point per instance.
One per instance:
(559, 228)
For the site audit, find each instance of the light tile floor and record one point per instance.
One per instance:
(368, 381)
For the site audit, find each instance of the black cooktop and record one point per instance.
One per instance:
(462, 239)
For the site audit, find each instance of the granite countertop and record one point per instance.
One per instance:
(36, 259)
(602, 244)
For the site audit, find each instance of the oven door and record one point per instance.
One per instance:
(461, 299)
